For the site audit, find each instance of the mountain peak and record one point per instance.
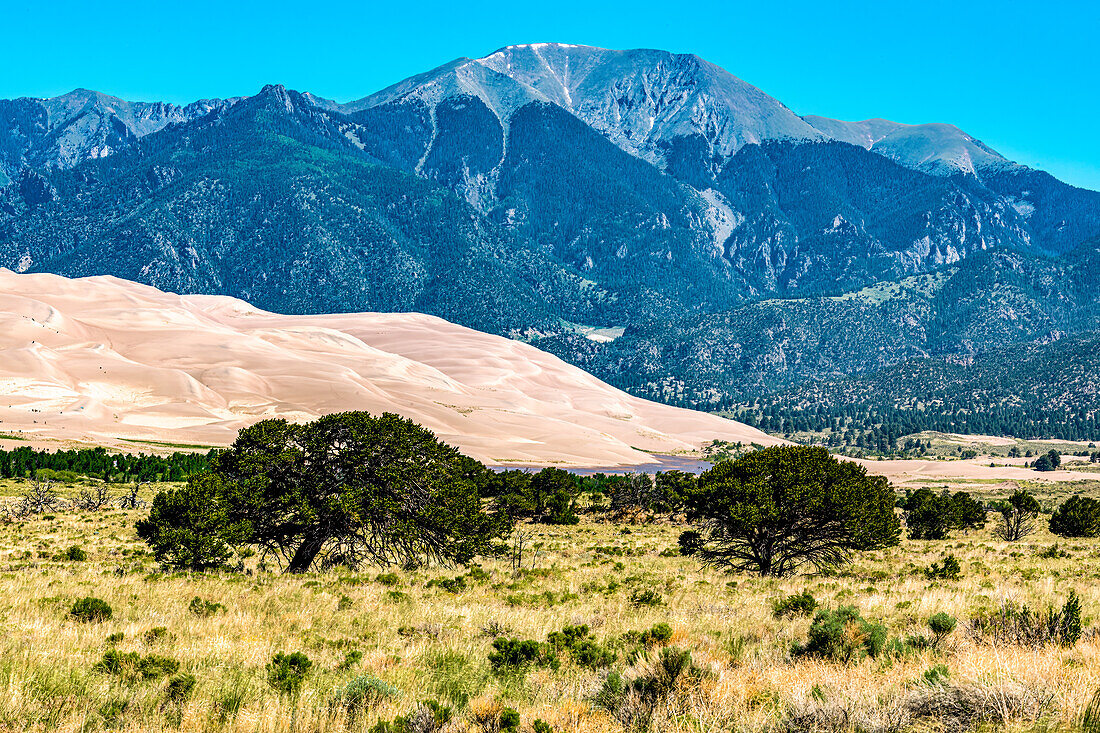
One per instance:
(277, 96)
(934, 147)
(641, 99)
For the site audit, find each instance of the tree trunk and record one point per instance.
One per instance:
(305, 554)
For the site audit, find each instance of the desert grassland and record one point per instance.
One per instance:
(430, 643)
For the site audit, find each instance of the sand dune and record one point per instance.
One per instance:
(102, 360)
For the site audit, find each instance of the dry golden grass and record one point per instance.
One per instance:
(430, 643)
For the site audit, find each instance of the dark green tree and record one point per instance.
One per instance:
(673, 487)
(1079, 516)
(776, 509)
(549, 496)
(967, 512)
(349, 487)
(189, 528)
(928, 515)
(554, 496)
(1017, 516)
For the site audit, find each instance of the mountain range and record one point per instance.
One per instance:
(643, 214)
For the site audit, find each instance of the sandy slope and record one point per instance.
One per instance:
(99, 359)
(923, 471)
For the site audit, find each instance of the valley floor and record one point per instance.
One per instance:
(433, 641)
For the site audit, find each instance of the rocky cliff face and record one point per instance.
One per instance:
(61, 132)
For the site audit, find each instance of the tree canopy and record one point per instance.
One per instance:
(931, 516)
(348, 487)
(1079, 516)
(1017, 516)
(774, 510)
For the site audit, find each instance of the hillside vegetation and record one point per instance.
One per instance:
(597, 623)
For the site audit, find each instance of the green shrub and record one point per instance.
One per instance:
(1069, 626)
(478, 574)
(941, 624)
(131, 665)
(351, 659)
(115, 638)
(76, 554)
(646, 597)
(584, 650)
(1022, 626)
(91, 610)
(361, 694)
(538, 725)
(287, 672)
(843, 635)
(176, 694)
(633, 703)
(509, 721)
(799, 604)
(202, 608)
(512, 656)
(428, 717)
(949, 569)
(936, 675)
(179, 688)
(658, 634)
(155, 634)
(451, 585)
(390, 579)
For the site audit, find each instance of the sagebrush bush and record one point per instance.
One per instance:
(91, 610)
(287, 672)
(646, 597)
(451, 585)
(429, 716)
(509, 721)
(155, 634)
(361, 694)
(634, 702)
(843, 635)
(798, 604)
(941, 624)
(656, 635)
(179, 688)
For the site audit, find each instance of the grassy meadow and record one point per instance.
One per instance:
(424, 640)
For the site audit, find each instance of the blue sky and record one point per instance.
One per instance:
(1022, 77)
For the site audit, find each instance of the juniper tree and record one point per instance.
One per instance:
(350, 486)
(775, 510)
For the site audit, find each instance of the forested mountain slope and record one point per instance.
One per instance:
(552, 192)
